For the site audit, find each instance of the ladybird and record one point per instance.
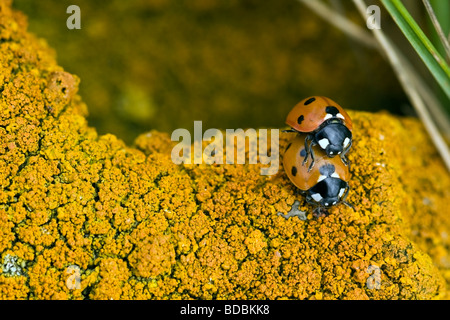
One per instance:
(324, 186)
(326, 124)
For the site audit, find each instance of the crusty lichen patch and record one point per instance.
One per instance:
(126, 223)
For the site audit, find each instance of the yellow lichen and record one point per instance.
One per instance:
(84, 216)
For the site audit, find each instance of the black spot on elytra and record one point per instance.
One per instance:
(294, 171)
(310, 100)
(327, 169)
(332, 110)
(303, 153)
(300, 119)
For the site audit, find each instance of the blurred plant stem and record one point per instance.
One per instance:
(441, 22)
(413, 84)
(409, 87)
(341, 22)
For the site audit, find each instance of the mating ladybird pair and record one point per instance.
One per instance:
(324, 132)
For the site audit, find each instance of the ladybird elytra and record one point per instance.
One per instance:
(326, 123)
(326, 184)
(304, 179)
(314, 111)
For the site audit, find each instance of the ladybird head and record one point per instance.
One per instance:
(328, 192)
(334, 138)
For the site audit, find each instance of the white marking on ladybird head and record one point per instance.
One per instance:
(335, 175)
(327, 204)
(317, 197)
(334, 203)
(328, 116)
(340, 116)
(321, 178)
(346, 142)
(341, 192)
(324, 143)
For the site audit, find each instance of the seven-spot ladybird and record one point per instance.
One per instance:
(324, 186)
(326, 124)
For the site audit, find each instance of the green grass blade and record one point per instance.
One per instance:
(423, 46)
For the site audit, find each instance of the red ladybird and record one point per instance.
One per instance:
(326, 124)
(326, 184)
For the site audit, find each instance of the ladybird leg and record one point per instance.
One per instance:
(344, 153)
(320, 212)
(349, 205)
(289, 130)
(345, 197)
(310, 200)
(313, 160)
(309, 151)
(316, 212)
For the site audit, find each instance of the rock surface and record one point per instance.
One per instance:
(84, 216)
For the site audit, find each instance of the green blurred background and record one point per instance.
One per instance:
(161, 64)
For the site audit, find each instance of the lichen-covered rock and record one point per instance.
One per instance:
(85, 216)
